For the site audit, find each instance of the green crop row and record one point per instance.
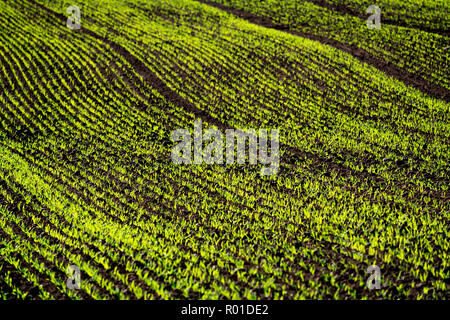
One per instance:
(431, 15)
(421, 53)
(86, 177)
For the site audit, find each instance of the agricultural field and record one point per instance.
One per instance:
(92, 205)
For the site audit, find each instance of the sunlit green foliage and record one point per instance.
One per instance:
(86, 177)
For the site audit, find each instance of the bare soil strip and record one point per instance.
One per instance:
(406, 77)
(154, 81)
(350, 11)
(148, 76)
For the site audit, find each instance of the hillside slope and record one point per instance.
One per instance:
(86, 176)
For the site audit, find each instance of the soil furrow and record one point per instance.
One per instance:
(404, 76)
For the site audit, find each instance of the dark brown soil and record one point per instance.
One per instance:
(385, 19)
(361, 54)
